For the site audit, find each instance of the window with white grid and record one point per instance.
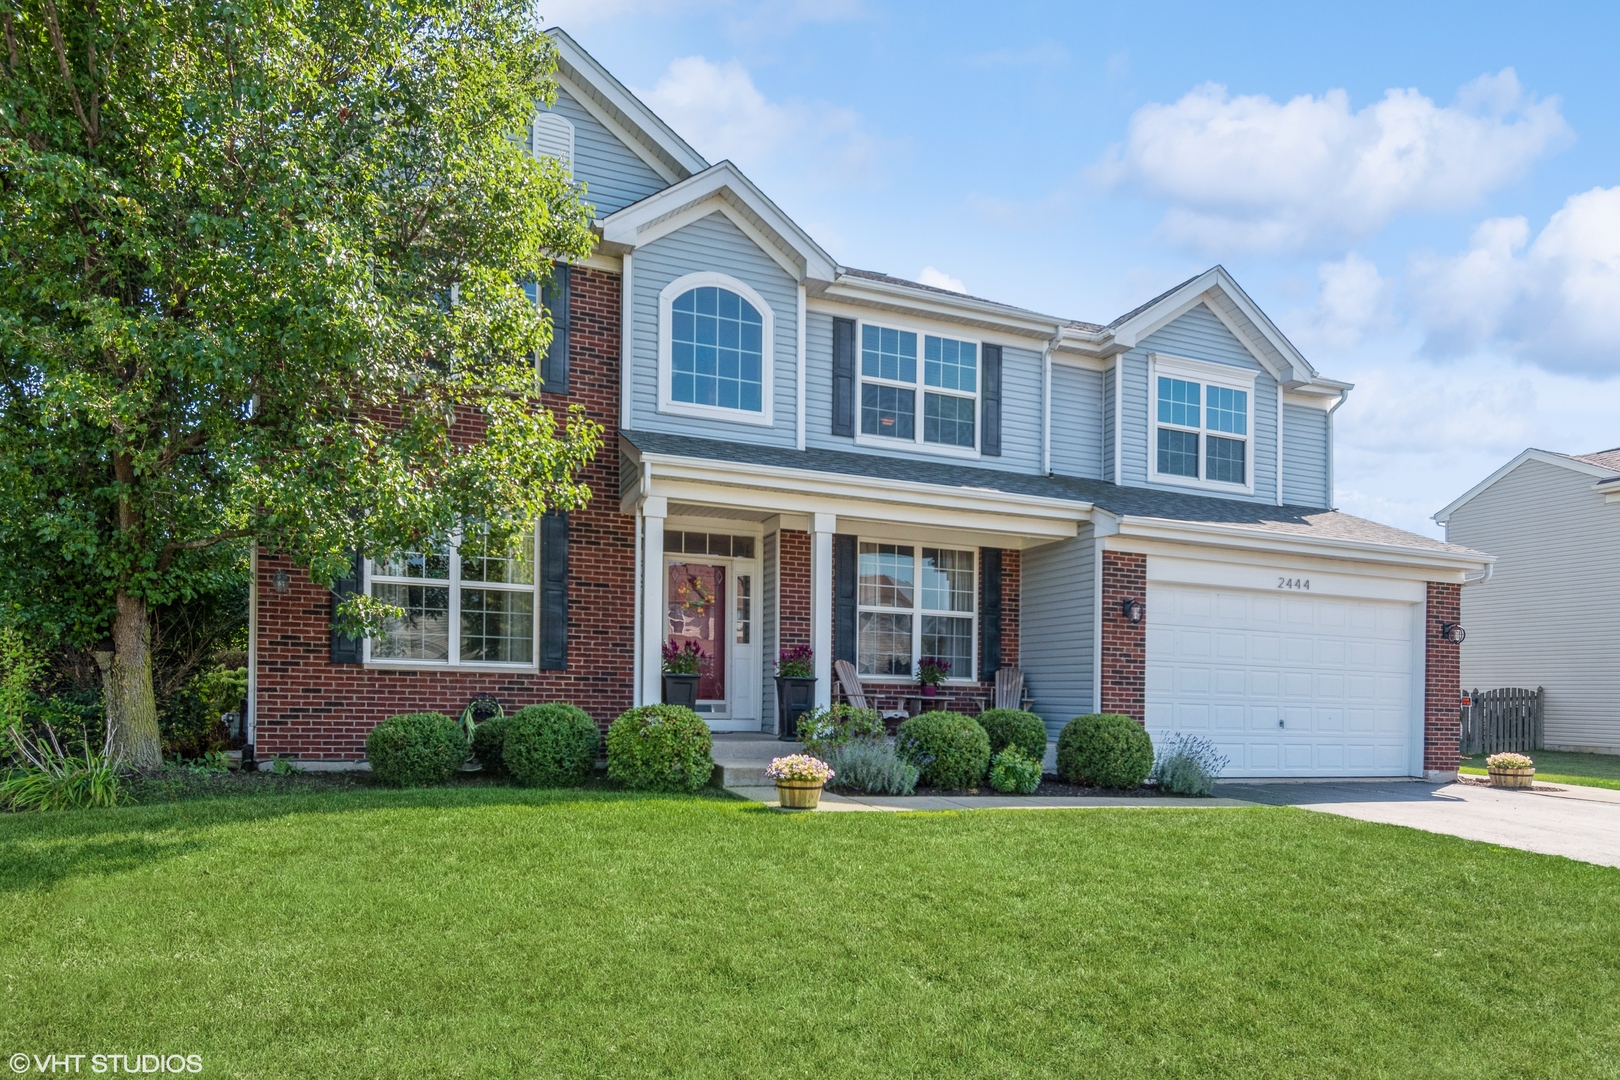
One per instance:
(915, 602)
(470, 601)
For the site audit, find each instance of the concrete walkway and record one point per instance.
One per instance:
(1578, 823)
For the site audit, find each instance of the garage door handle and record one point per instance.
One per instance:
(1279, 723)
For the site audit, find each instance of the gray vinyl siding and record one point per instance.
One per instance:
(1550, 615)
(1020, 402)
(613, 175)
(1057, 632)
(1110, 467)
(1198, 335)
(1077, 421)
(1305, 456)
(712, 243)
(769, 632)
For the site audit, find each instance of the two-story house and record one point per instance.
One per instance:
(1136, 513)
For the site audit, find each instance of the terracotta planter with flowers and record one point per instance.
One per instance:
(799, 780)
(1511, 770)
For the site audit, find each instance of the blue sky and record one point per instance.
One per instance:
(1426, 198)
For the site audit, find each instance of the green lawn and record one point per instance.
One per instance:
(493, 932)
(1557, 767)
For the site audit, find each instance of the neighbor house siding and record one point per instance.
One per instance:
(715, 244)
(1550, 615)
(1305, 456)
(614, 177)
(1199, 335)
(1077, 421)
(1058, 616)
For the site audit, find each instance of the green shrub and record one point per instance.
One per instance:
(871, 766)
(1188, 765)
(416, 749)
(48, 776)
(1014, 771)
(951, 750)
(839, 725)
(660, 748)
(550, 745)
(1015, 727)
(489, 743)
(1104, 750)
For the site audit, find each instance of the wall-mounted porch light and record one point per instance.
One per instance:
(280, 582)
(1453, 632)
(1133, 610)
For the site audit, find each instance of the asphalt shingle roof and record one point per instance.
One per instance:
(1302, 521)
(1603, 459)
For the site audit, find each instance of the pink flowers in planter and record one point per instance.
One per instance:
(799, 768)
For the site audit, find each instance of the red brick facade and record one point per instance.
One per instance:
(793, 591)
(1442, 694)
(311, 708)
(1124, 643)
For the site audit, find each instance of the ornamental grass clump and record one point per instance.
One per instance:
(1014, 772)
(1509, 761)
(1014, 727)
(48, 778)
(416, 749)
(551, 746)
(1104, 750)
(799, 769)
(1188, 765)
(660, 748)
(872, 766)
(822, 730)
(950, 750)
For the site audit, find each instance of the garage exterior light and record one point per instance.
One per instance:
(1453, 632)
(1133, 610)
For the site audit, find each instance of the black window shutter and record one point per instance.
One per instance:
(554, 592)
(554, 364)
(990, 403)
(844, 570)
(843, 377)
(345, 649)
(989, 613)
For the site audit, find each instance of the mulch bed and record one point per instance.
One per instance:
(1052, 787)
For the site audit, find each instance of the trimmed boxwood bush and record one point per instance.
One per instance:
(416, 749)
(1015, 727)
(952, 750)
(660, 748)
(1104, 750)
(550, 745)
(489, 743)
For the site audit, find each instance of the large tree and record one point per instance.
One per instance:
(258, 259)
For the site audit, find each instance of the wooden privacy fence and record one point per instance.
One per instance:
(1508, 719)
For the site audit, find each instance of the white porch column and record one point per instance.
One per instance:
(822, 527)
(653, 512)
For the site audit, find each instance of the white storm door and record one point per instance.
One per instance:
(1284, 685)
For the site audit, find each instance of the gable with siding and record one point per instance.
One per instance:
(613, 174)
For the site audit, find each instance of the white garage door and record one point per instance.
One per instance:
(1285, 685)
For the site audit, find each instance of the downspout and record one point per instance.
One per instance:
(1344, 395)
(800, 428)
(250, 707)
(1046, 402)
(626, 342)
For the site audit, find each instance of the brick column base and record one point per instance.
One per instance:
(1124, 643)
(1442, 692)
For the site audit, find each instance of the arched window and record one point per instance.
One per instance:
(553, 137)
(716, 349)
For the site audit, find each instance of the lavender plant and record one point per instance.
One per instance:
(1188, 765)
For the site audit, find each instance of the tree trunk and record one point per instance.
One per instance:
(126, 684)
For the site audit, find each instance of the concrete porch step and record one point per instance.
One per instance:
(734, 776)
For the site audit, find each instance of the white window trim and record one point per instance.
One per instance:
(455, 585)
(917, 611)
(920, 388)
(766, 417)
(562, 124)
(1206, 374)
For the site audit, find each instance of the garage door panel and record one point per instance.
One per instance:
(1287, 685)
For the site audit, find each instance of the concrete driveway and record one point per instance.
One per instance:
(1579, 823)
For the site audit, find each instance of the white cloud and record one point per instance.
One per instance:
(1353, 301)
(1554, 300)
(939, 279)
(1249, 173)
(719, 110)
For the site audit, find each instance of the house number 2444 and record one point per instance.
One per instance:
(1301, 583)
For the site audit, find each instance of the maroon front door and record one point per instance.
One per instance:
(697, 612)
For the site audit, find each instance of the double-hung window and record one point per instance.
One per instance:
(1202, 422)
(891, 391)
(914, 602)
(464, 602)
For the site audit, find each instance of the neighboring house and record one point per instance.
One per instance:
(1549, 615)
(808, 454)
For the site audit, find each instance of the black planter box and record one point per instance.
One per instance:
(794, 698)
(681, 690)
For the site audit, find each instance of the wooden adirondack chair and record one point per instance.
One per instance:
(1010, 688)
(849, 680)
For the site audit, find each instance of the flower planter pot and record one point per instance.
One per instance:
(930, 690)
(1512, 778)
(681, 690)
(795, 696)
(799, 794)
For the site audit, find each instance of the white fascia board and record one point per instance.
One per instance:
(651, 132)
(1610, 489)
(1546, 457)
(829, 303)
(1261, 540)
(663, 212)
(889, 296)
